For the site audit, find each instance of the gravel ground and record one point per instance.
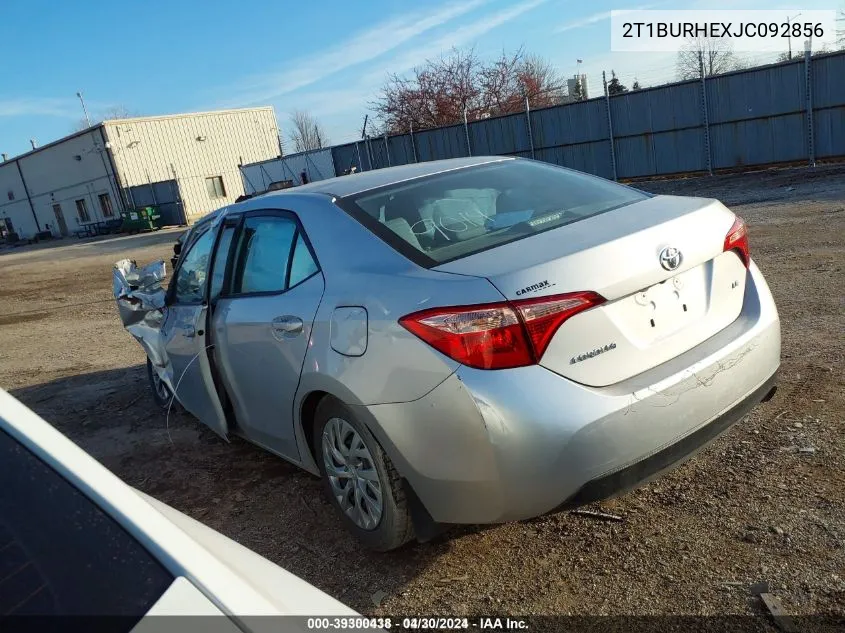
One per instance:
(766, 502)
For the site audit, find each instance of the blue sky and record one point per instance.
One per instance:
(162, 57)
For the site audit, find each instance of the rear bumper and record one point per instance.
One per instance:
(670, 457)
(493, 446)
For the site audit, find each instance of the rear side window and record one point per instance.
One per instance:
(447, 216)
(302, 265)
(263, 254)
(272, 256)
(60, 554)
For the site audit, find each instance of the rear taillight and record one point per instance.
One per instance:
(737, 240)
(498, 335)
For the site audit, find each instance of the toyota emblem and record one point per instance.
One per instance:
(670, 258)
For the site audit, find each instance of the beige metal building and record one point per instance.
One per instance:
(186, 164)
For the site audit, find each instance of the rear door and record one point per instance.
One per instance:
(184, 333)
(262, 325)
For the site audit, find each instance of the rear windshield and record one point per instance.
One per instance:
(447, 216)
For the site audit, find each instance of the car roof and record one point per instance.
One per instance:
(342, 186)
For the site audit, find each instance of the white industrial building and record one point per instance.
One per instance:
(186, 164)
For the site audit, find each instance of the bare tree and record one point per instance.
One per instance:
(540, 82)
(840, 39)
(435, 94)
(107, 114)
(500, 84)
(306, 132)
(440, 91)
(714, 53)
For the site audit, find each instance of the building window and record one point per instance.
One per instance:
(105, 205)
(215, 187)
(82, 211)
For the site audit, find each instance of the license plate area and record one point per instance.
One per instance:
(665, 308)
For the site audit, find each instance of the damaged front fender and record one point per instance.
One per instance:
(140, 301)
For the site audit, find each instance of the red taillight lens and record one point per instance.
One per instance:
(497, 335)
(737, 240)
(543, 316)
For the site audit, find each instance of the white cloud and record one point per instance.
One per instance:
(598, 17)
(336, 106)
(43, 106)
(362, 47)
(461, 36)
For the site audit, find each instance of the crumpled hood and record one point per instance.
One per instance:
(138, 290)
(140, 296)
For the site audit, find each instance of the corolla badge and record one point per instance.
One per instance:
(592, 353)
(670, 258)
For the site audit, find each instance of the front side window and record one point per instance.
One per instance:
(215, 188)
(263, 254)
(82, 211)
(192, 274)
(455, 214)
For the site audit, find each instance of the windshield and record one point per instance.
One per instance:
(447, 216)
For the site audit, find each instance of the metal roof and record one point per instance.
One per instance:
(101, 124)
(341, 186)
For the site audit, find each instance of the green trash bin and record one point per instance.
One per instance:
(141, 219)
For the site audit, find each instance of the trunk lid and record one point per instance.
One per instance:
(652, 313)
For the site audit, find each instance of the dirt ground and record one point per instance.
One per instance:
(758, 505)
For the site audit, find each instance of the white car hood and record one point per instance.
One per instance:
(286, 591)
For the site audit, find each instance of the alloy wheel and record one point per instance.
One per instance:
(352, 474)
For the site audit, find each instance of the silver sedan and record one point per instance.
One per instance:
(466, 341)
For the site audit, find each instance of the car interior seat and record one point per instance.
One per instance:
(458, 219)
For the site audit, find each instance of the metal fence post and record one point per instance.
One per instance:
(334, 166)
(707, 153)
(413, 144)
(808, 82)
(386, 149)
(609, 125)
(246, 178)
(528, 120)
(369, 147)
(152, 189)
(466, 133)
(358, 151)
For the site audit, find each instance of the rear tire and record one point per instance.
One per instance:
(356, 462)
(161, 392)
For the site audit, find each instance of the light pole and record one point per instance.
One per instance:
(84, 109)
(789, 33)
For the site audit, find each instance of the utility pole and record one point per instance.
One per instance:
(84, 109)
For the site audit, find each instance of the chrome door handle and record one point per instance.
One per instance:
(287, 324)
